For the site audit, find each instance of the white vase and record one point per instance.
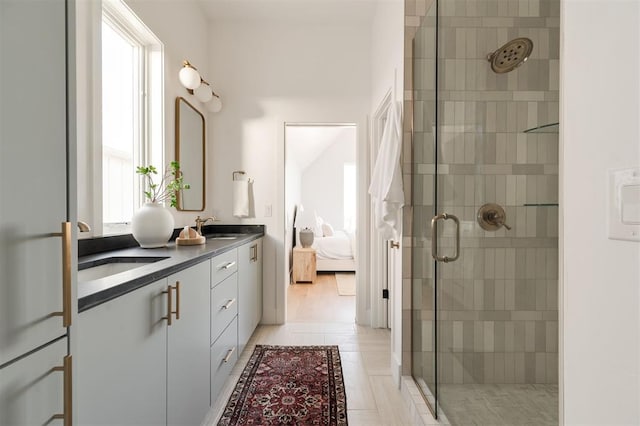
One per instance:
(152, 225)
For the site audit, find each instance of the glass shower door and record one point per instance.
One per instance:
(484, 199)
(423, 355)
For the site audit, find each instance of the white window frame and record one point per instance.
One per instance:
(150, 133)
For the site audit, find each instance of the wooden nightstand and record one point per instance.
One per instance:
(304, 264)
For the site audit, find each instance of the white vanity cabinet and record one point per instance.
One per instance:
(137, 367)
(224, 319)
(188, 347)
(236, 307)
(121, 359)
(249, 290)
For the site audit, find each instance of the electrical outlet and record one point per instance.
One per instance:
(268, 210)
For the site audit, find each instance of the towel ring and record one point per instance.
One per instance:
(239, 172)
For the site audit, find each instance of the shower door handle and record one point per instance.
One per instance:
(434, 238)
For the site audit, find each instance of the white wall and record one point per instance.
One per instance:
(600, 353)
(387, 74)
(269, 74)
(323, 182)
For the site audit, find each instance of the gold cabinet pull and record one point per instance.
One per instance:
(229, 303)
(229, 265)
(229, 354)
(177, 311)
(169, 294)
(67, 401)
(66, 274)
(170, 310)
(395, 244)
(253, 250)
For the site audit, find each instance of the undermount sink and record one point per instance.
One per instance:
(112, 265)
(222, 237)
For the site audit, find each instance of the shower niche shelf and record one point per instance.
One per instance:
(540, 205)
(545, 128)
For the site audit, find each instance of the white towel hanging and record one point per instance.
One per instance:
(386, 187)
(241, 198)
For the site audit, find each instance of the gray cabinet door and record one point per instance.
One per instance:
(188, 348)
(30, 392)
(121, 359)
(249, 290)
(33, 172)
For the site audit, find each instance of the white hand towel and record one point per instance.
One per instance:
(241, 198)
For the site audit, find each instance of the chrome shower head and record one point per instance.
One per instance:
(511, 55)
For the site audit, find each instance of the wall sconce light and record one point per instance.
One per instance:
(194, 83)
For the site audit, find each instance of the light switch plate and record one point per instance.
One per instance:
(624, 204)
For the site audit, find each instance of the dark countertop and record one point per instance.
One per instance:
(95, 292)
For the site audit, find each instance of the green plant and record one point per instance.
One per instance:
(168, 187)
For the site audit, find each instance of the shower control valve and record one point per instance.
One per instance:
(492, 217)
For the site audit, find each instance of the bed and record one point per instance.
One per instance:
(336, 252)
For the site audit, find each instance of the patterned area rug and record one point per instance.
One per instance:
(289, 385)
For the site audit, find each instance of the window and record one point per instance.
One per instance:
(121, 136)
(131, 112)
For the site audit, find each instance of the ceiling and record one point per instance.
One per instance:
(302, 11)
(304, 144)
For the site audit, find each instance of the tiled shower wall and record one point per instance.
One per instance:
(498, 308)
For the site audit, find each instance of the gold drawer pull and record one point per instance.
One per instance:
(229, 303)
(66, 274)
(229, 354)
(229, 265)
(67, 374)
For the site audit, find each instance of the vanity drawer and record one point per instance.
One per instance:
(223, 265)
(224, 354)
(224, 305)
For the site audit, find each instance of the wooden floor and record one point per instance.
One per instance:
(319, 302)
(319, 316)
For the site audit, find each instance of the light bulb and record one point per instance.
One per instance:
(189, 76)
(215, 105)
(203, 92)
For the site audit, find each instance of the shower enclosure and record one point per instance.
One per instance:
(485, 216)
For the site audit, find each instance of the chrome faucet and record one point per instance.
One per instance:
(200, 222)
(83, 226)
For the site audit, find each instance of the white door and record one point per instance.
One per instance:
(188, 346)
(121, 359)
(385, 255)
(33, 172)
(30, 391)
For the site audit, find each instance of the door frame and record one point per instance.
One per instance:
(363, 287)
(381, 309)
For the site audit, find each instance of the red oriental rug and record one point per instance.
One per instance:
(289, 385)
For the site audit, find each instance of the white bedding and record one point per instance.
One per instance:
(338, 246)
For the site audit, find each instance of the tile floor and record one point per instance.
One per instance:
(318, 316)
(501, 404)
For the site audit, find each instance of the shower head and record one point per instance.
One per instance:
(511, 55)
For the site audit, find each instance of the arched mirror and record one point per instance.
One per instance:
(190, 153)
